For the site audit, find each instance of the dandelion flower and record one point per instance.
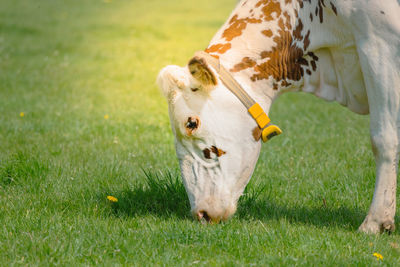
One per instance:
(21, 114)
(106, 117)
(112, 199)
(377, 256)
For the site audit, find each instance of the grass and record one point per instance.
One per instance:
(68, 64)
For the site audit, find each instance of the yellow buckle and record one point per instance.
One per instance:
(270, 132)
(263, 120)
(255, 110)
(259, 115)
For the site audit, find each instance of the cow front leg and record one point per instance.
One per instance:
(379, 65)
(381, 214)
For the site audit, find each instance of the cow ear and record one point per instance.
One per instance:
(170, 79)
(202, 72)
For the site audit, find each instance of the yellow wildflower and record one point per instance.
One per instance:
(377, 256)
(21, 114)
(112, 199)
(106, 116)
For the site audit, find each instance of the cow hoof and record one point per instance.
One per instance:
(374, 227)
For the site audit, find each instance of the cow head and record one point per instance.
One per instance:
(214, 142)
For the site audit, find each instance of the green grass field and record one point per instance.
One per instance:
(94, 124)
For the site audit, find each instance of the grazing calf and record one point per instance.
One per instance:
(347, 51)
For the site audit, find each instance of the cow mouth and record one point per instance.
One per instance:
(204, 218)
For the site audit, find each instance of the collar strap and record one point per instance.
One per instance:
(268, 130)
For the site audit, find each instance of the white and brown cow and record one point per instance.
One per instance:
(342, 50)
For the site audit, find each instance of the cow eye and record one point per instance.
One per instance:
(191, 125)
(194, 89)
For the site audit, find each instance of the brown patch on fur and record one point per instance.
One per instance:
(275, 86)
(334, 8)
(200, 70)
(306, 41)
(321, 15)
(313, 56)
(207, 153)
(313, 65)
(257, 132)
(246, 63)
(219, 48)
(284, 60)
(287, 23)
(320, 10)
(285, 83)
(308, 72)
(217, 151)
(297, 31)
(313, 61)
(281, 24)
(237, 26)
(264, 54)
(303, 61)
(311, 16)
(269, 7)
(267, 33)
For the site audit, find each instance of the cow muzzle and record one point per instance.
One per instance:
(212, 210)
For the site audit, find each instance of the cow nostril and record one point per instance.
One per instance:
(206, 217)
(199, 215)
(202, 216)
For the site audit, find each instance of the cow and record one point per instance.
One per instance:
(339, 50)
